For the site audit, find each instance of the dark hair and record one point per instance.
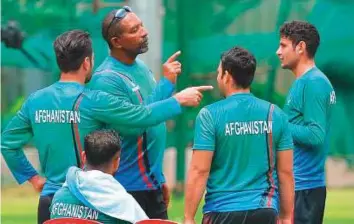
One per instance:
(101, 146)
(297, 31)
(241, 65)
(114, 30)
(71, 48)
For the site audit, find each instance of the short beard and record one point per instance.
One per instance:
(143, 50)
(88, 79)
(134, 53)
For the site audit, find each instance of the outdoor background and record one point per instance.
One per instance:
(202, 30)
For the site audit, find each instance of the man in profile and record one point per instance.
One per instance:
(309, 106)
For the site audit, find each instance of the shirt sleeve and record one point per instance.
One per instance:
(315, 102)
(204, 134)
(18, 133)
(115, 110)
(107, 84)
(285, 141)
(118, 110)
(162, 91)
(118, 87)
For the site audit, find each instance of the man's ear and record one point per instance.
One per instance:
(228, 77)
(87, 63)
(116, 42)
(301, 47)
(83, 157)
(115, 164)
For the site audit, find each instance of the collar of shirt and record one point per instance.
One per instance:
(308, 71)
(240, 95)
(70, 83)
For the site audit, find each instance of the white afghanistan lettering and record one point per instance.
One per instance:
(57, 116)
(73, 210)
(248, 128)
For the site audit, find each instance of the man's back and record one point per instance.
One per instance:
(48, 114)
(245, 137)
(58, 117)
(65, 204)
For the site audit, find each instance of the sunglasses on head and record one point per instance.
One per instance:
(119, 15)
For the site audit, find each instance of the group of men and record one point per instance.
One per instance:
(248, 152)
(243, 146)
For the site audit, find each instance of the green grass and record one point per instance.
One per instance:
(19, 205)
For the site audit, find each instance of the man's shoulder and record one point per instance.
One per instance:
(145, 68)
(317, 79)
(97, 98)
(108, 79)
(107, 64)
(264, 104)
(41, 96)
(42, 92)
(111, 68)
(106, 71)
(228, 104)
(216, 106)
(63, 191)
(141, 63)
(279, 114)
(268, 107)
(63, 195)
(212, 112)
(104, 75)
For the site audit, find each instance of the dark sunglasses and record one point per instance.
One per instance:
(120, 14)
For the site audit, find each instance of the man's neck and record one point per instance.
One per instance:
(303, 67)
(123, 57)
(72, 77)
(102, 169)
(233, 91)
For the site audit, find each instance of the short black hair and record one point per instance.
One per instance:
(297, 31)
(241, 65)
(101, 146)
(114, 30)
(71, 48)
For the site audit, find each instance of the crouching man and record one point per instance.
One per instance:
(93, 193)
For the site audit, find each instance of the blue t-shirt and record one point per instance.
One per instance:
(142, 154)
(58, 118)
(244, 133)
(309, 107)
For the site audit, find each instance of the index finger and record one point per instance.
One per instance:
(203, 88)
(173, 57)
